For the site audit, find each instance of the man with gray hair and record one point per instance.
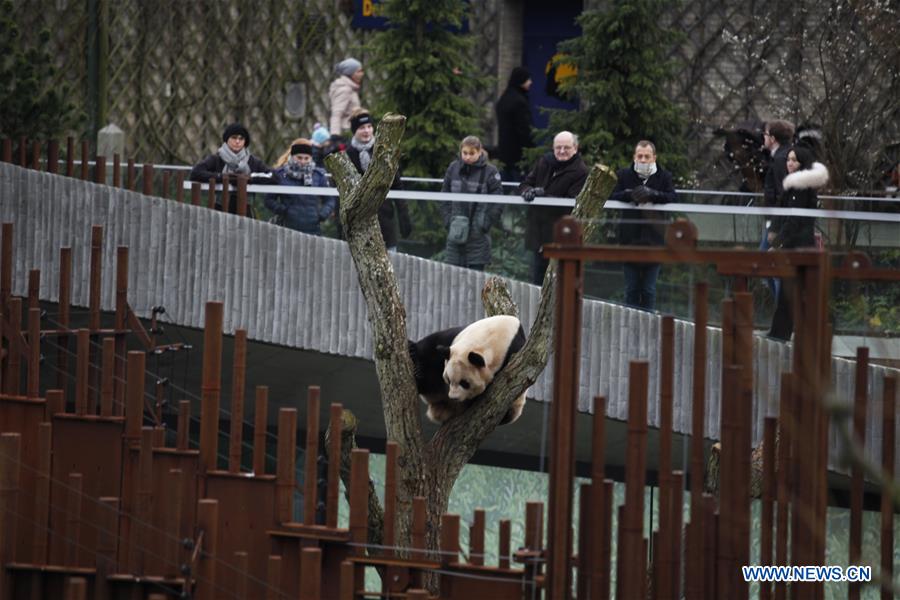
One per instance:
(559, 174)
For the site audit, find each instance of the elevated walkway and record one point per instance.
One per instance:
(299, 293)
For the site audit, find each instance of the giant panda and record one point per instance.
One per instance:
(454, 366)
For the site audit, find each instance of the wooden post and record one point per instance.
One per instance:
(184, 424)
(120, 323)
(7, 150)
(85, 159)
(107, 544)
(195, 193)
(392, 452)
(239, 575)
(70, 157)
(95, 276)
(34, 358)
(73, 520)
(173, 499)
(6, 258)
(693, 582)
(449, 539)
(594, 528)
(476, 538)
(562, 420)
(663, 560)
(260, 424)
(273, 578)
(65, 295)
(36, 155)
(226, 198)
(359, 498)
(82, 372)
(503, 544)
(417, 531)
(310, 485)
(108, 384)
(208, 521)
(165, 184)
(131, 175)
(768, 495)
(10, 467)
(212, 382)
(310, 573)
(334, 475)
(286, 468)
(238, 382)
(860, 399)
(211, 193)
(42, 493)
(76, 588)
(783, 491)
(632, 524)
(677, 524)
(14, 357)
(117, 170)
(134, 393)
(23, 152)
(242, 181)
(888, 413)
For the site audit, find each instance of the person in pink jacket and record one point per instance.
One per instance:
(344, 94)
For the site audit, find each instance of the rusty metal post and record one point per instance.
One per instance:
(23, 152)
(108, 384)
(6, 258)
(238, 382)
(226, 198)
(179, 186)
(860, 399)
(693, 582)
(100, 170)
(82, 371)
(768, 496)
(417, 531)
(242, 181)
(95, 276)
(286, 467)
(65, 295)
(662, 559)
(273, 578)
(134, 394)
(34, 288)
(562, 420)
(211, 193)
(85, 161)
(631, 526)
(36, 155)
(359, 498)
(476, 538)
(783, 491)
(15, 350)
(70, 157)
(208, 522)
(334, 473)
(53, 156)
(117, 170)
(310, 485)
(42, 493)
(10, 467)
(449, 542)
(131, 175)
(7, 150)
(503, 543)
(260, 424)
(597, 575)
(195, 193)
(212, 382)
(107, 544)
(174, 500)
(147, 180)
(165, 184)
(888, 437)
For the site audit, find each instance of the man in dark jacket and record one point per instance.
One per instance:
(360, 154)
(777, 136)
(559, 174)
(232, 159)
(642, 183)
(514, 123)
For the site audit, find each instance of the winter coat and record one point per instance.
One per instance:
(799, 192)
(513, 125)
(391, 212)
(301, 213)
(772, 185)
(211, 168)
(561, 180)
(344, 98)
(479, 178)
(630, 230)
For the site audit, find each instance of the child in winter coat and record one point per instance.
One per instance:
(300, 212)
(469, 223)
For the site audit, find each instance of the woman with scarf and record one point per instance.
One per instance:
(300, 212)
(360, 154)
(469, 223)
(804, 177)
(233, 158)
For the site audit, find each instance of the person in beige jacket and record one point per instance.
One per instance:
(344, 94)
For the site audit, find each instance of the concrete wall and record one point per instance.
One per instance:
(301, 291)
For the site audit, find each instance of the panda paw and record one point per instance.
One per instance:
(515, 411)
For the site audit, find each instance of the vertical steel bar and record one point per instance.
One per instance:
(238, 383)
(596, 534)
(212, 382)
(310, 474)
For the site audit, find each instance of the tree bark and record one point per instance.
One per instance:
(430, 468)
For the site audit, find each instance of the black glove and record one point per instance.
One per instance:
(642, 194)
(531, 193)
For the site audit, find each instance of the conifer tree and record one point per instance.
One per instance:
(622, 85)
(426, 65)
(30, 104)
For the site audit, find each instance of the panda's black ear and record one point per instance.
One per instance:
(476, 359)
(442, 351)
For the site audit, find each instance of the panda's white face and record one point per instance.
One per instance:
(466, 375)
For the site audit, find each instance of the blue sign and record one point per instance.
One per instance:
(367, 15)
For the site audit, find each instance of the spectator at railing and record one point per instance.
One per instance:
(344, 94)
(804, 176)
(642, 183)
(514, 123)
(469, 223)
(393, 211)
(301, 213)
(233, 158)
(562, 174)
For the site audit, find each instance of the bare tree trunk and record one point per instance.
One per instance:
(430, 469)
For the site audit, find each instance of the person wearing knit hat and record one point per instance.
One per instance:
(514, 123)
(344, 94)
(232, 158)
(300, 212)
(393, 211)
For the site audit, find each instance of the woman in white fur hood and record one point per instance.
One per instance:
(805, 176)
